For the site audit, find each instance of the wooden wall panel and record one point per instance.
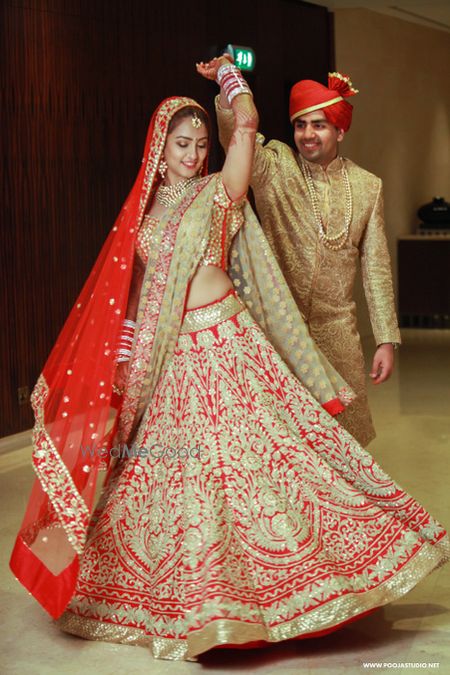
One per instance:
(79, 81)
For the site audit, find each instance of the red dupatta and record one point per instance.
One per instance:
(76, 412)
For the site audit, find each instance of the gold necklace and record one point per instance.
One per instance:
(337, 241)
(168, 195)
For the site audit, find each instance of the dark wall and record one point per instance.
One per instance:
(79, 81)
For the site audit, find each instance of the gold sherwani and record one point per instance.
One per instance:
(322, 280)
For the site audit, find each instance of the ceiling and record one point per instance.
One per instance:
(431, 13)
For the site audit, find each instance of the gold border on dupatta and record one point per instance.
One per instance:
(54, 476)
(157, 308)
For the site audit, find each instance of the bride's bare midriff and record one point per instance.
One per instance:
(209, 283)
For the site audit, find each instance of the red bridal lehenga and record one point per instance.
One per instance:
(272, 523)
(240, 512)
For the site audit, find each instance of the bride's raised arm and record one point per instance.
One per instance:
(237, 168)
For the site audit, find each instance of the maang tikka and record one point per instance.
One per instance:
(196, 121)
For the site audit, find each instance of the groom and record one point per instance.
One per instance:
(322, 214)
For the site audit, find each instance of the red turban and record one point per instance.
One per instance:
(308, 95)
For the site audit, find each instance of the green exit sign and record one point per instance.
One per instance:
(244, 57)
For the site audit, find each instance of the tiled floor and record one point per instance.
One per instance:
(412, 416)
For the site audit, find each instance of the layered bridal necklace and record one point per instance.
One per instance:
(337, 241)
(168, 195)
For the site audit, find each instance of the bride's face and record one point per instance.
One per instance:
(185, 151)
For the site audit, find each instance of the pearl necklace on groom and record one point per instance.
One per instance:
(337, 241)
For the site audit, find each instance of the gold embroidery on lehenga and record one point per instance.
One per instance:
(252, 514)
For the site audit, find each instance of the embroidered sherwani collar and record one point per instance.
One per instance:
(317, 171)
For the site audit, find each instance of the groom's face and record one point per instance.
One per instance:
(316, 138)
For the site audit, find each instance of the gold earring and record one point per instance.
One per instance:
(162, 168)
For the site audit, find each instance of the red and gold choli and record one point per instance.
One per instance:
(226, 219)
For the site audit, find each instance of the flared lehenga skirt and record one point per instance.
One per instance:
(243, 512)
